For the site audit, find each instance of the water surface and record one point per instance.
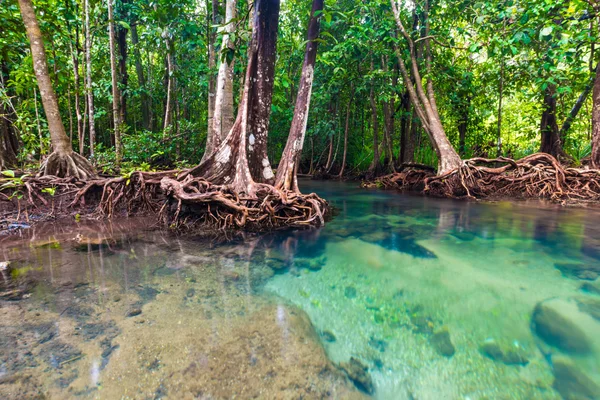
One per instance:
(436, 299)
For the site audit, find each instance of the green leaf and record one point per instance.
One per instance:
(8, 173)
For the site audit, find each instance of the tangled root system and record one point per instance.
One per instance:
(536, 176)
(186, 203)
(67, 165)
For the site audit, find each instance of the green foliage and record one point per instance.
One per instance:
(479, 47)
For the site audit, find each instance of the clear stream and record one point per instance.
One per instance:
(398, 297)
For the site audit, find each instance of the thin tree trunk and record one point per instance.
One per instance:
(406, 142)
(9, 143)
(346, 129)
(139, 69)
(595, 157)
(564, 129)
(121, 36)
(212, 35)
(169, 104)
(374, 167)
(499, 119)
(116, 93)
(63, 161)
(79, 116)
(287, 173)
(88, 78)
(262, 93)
(223, 113)
(548, 127)
(58, 135)
(330, 154)
(424, 103)
(463, 124)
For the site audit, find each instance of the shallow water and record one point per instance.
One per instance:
(436, 299)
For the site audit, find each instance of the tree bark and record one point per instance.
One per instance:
(88, 79)
(228, 164)
(212, 36)
(595, 157)
(550, 143)
(139, 69)
(262, 91)
(287, 174)
(463, 124)
(121, 32)
(9, 143)
(406, 142)
(63, 161)
(169, 103)
(223, 113)
(346, 129)
(75, 52)
(116, 93)
(374, 167)
(564, 129)
(424, 103)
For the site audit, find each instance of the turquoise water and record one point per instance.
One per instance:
(429, 298)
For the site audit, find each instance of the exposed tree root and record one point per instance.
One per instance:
(67, 164)
(184, 203)
(536, 176)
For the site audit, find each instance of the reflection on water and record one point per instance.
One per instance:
(398, 297)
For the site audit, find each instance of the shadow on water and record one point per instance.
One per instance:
(399, 296)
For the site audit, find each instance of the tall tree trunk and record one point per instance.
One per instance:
(499, 118)
(116, 93)
(9, 143)
(139, 69)
(374, 167)
(287, 174)
(463, 124)
(88, 78)
(229, 164)
(564, 129)
(75, 52)
(548, 127)
(122, 47)
(262, 88)
(223, 113)
(406, 142)
(330, 153)
(169, 103)
(63, 161)
(346, 129)
(596, 122)
(212, 84)
(424, 102)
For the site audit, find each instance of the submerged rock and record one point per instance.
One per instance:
(591, 287)
(133, 312)
(504, 354)
(589, 306)
(350, 292)
(358, 373)
(422, 323)
(378, 344)
(579, 270)
(571, 382)
(557, 322)
(442, 343)
(328, 336)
